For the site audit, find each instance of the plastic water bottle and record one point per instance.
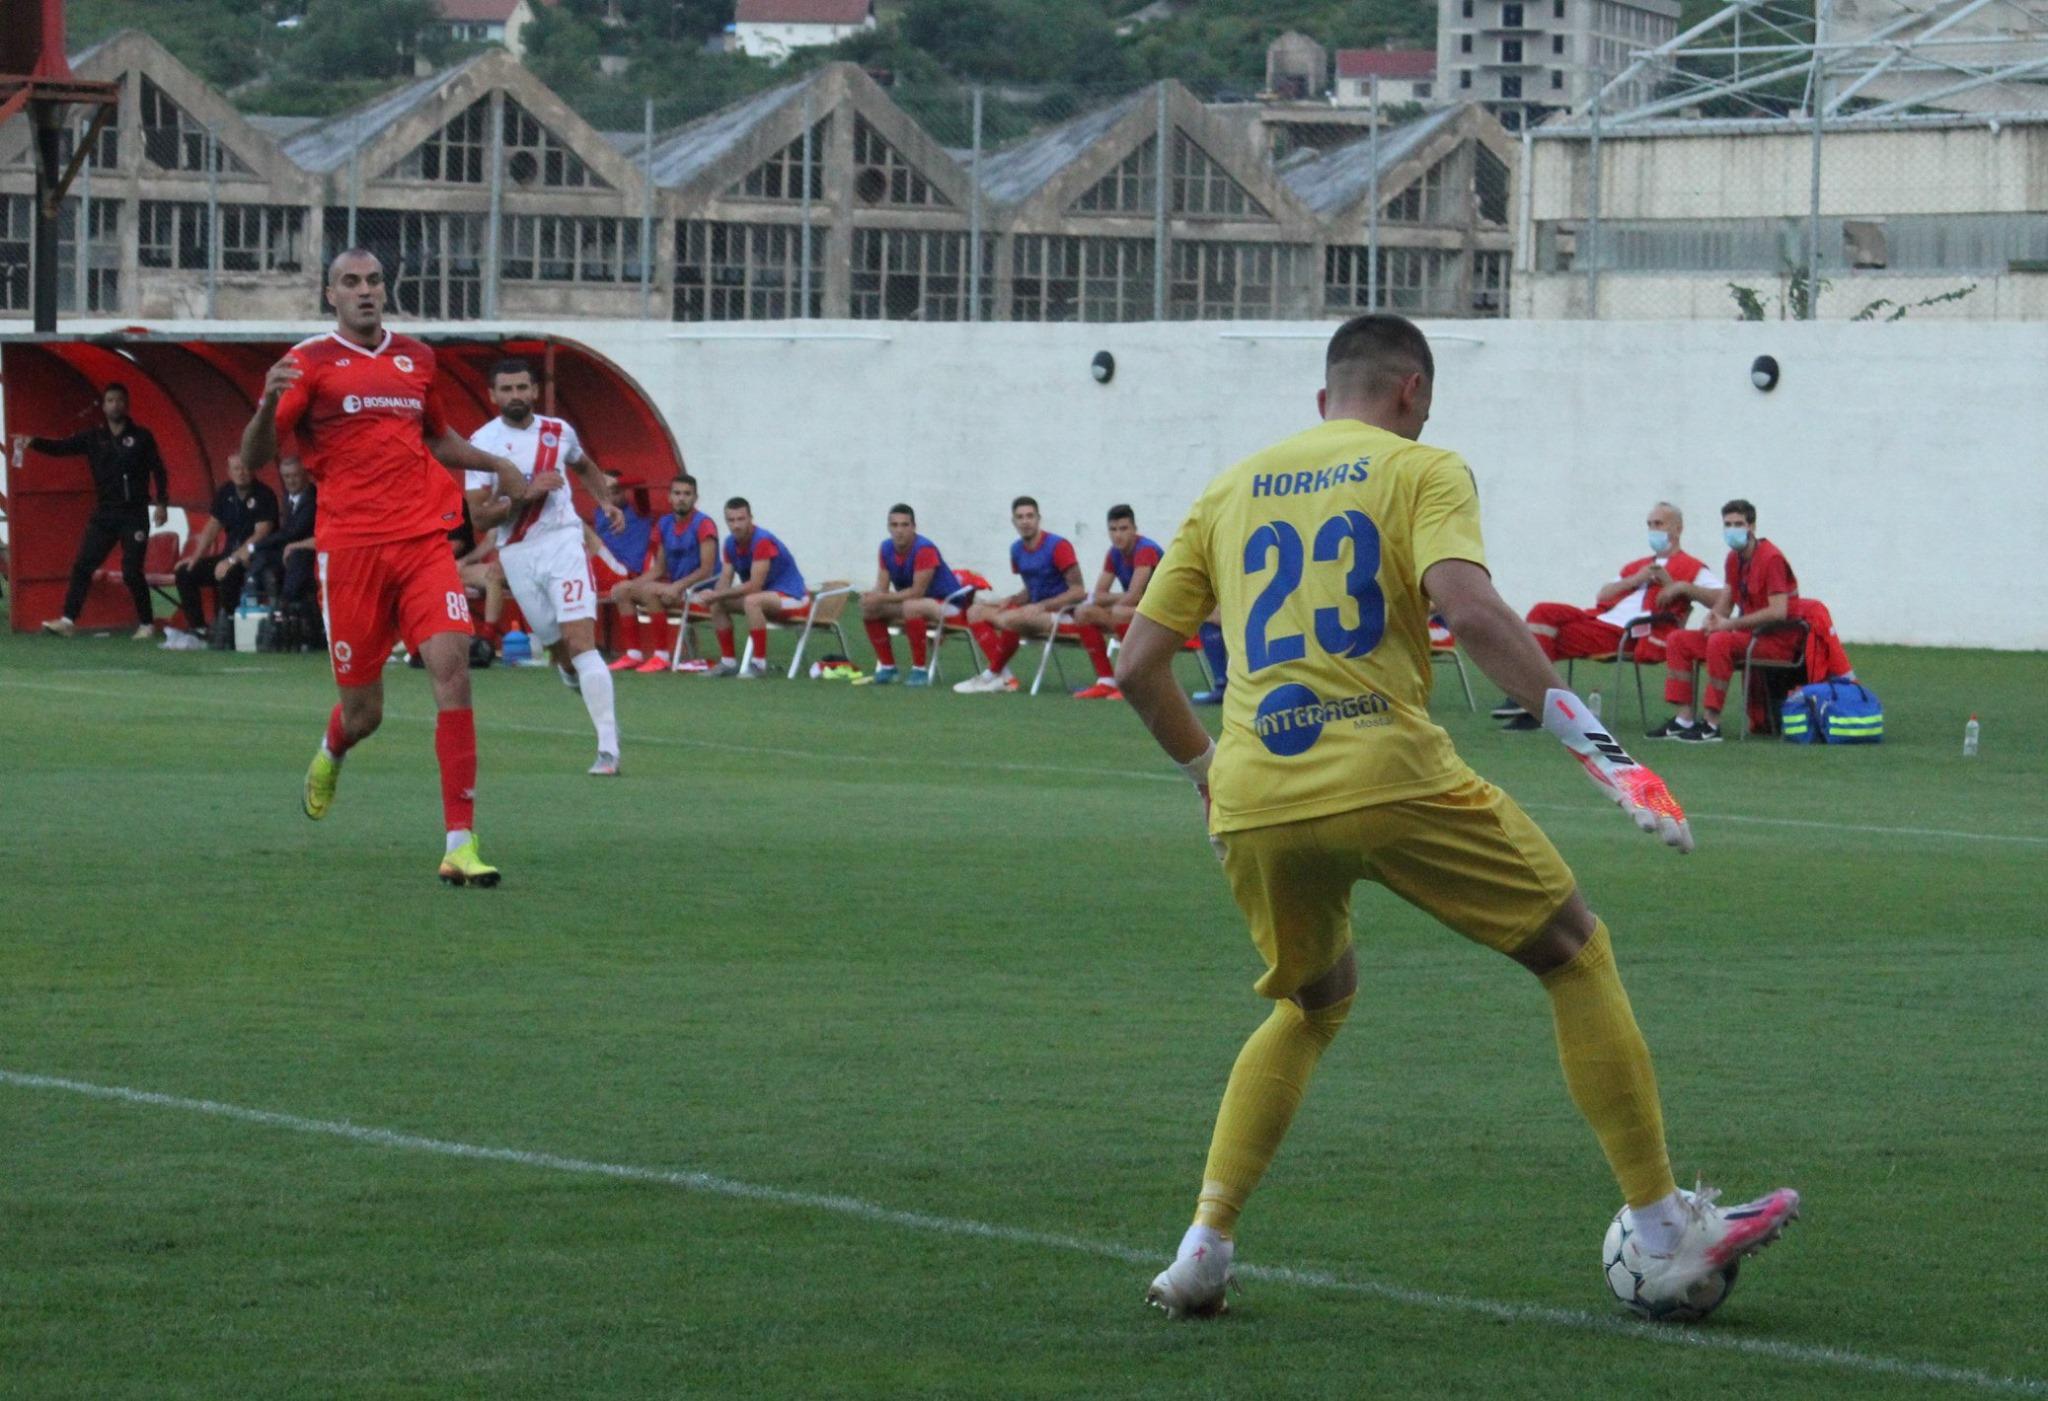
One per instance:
(1970, 739)
(1593, 704)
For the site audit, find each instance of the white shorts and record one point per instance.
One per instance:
(549, 576)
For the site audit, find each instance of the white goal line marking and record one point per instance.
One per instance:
(1000, 766)
(1799, 1354)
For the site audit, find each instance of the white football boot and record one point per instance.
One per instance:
(1195, 1285)
(1713, 1239)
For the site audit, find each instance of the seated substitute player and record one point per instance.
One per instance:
(361, 405)
(540, 543)
(916, 587)
(761, 582)
(1326, 554)
(1052, 583)
(1662, 585)
(684, 565)
(615, 557)
(1760, 582)
(1128, 565)
(244, 515)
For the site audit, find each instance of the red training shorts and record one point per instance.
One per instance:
(373, 595)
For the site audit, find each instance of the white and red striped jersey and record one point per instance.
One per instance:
(543, 445)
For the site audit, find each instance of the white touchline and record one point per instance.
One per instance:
(1000, 766)
(1799, 1354)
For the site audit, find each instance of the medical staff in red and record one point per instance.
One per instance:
(1761, 584)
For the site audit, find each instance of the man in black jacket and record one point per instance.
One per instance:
(282, 565)
(244, 515)
(127, 475)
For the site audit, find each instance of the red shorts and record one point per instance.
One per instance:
(373, 595)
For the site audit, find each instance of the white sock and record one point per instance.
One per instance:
(597, 699)
(457, 837)
(1201, 1237)
(634, 654)
(1659, 1225)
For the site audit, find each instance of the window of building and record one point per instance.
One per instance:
(1489, 283)
(747, 272)
(1557, 43)
(1431, 199)
(912, 275)
(882, 176)
(1415, 280)
(1490, 186)
(1465, 78)
(1081, 279)
(784, 174)
(1556, 80)
(535, 156)
(17, 237)
(1464, 43)
(570, 248)
(1422, 92)
(173, 234)
(456, 153)
(1511, 51)
(1511, 86)
(1466, 9)
(261, 237)
(1229, 281)
(1131, 188)
(1204, 189)
(1557, 9)
(1511, 15)
(102, 285)
(106, 148)
(172, 140)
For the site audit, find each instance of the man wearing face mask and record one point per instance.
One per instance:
(1663, 585)
(1760, 582)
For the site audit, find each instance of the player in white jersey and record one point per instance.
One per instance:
(540, 545)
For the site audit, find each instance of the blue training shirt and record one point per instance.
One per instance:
(783, 575)
(1044, 569)
(902, 568)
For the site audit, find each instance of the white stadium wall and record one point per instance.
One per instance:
(1902, 468)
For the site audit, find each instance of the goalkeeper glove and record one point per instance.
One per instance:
(1640, 793)
(1197, 770)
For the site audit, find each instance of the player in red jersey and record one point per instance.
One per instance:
(361, 407)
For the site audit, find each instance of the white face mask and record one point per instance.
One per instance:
(1737, 536)
(1660, 543)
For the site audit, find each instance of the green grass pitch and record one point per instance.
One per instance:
(963, 966)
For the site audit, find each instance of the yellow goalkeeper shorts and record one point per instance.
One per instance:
(1470, 857)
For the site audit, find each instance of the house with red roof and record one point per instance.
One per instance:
(772, 29)
(1405, 75)
(490, 21)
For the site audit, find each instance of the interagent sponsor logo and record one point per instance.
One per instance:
(1291, 718)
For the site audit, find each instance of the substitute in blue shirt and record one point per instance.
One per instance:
(914, 586)
(762, 581)
(1051, 578)
(1126, 569)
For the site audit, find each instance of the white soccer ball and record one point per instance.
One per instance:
(1626, 1283)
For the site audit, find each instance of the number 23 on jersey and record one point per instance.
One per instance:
(1278, 546)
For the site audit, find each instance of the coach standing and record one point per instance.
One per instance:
(127, 474)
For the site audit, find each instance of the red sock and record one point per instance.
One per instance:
(663, 636)
(878, 637)
(986, 638)
(1007, 644)
(625, 630)
(1123, 630)
(759, 637)
(1097, 648)
(338, 742)
(920, 654)
(455, 747)
(725, 647)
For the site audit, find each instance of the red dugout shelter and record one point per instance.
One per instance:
(196, 393)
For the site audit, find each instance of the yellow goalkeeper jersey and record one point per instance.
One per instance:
(1314, 550)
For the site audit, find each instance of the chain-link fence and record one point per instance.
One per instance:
(1783, 218)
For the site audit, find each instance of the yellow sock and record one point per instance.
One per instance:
(1607, 1069)
(1266, 1086)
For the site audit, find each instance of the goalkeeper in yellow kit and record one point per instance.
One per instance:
(1326, 554)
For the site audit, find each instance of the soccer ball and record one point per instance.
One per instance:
(1627, 1285)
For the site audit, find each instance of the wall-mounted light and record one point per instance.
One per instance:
(1103, 367)
(1763, 373)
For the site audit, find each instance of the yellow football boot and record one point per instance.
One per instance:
(463, 866)
(321, 777)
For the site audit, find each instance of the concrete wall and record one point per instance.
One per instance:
(1900, 467)
(1675, 296)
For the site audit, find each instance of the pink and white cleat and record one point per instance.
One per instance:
(1196, 1283)
(1690, 1281)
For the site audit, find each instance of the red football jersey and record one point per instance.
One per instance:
(361, 419)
